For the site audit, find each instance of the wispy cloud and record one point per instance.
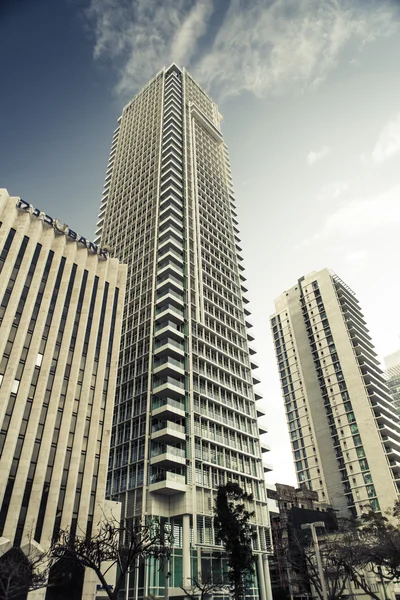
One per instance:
(194, 26)
(388, 143)
(139, 37)
(268, 48)
(333, 190)
(315, 156)
(364, 215)
(265, 47)
(377, 216)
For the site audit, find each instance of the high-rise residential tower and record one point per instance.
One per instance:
(186, 418)
(344, 433)
(61, 304)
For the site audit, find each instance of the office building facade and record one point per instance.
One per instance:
(185, 420)
(61, 304)
(344, 433)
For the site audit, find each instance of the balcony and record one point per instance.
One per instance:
(382, 408)
(169, 268)
(170, 281)
(168, 432)
(168, 296)
(169, 233)
(169, 366)
(389, 429)
(262, 429)
(265, 447)
(169, 347)
(373, 382)
(251, 350)
(169, 329)
(169, 386)
(266, 466)
(369, 358)
(170, 200)
(171, 244)
(253, 363)
(167, 408)
(391, 447)
(168, 220)
(395, 466)
(170, 313)
(170, 253)
(255, 379)
(358, 335)
(168, 484)
(168, 457)
(248, 323)
(261, 412)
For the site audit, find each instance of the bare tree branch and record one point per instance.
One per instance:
(115, 543)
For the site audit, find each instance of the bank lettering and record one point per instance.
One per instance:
(64, 229)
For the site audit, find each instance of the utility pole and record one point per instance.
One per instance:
(167, 576)
(313, 527)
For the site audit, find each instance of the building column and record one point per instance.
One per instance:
(90, 583)
(267, 577)
(186, 574)
(261, 577)
(37, 594)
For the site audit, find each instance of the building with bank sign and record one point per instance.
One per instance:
(61, 301)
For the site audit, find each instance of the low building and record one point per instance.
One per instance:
(292, 574)
(61, 303)
(296, 506)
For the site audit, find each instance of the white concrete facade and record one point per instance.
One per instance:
(186, 415)
(60, 320)
(344, 433)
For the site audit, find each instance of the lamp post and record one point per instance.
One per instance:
(167, 576)
(313, 527)
(167, 564)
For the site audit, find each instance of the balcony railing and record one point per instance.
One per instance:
(168, 424)
(167, 476)
(159, 402)
(171, 342)
(166, 449)
(171, 380)
(177, 363)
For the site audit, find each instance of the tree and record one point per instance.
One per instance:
(345, 558)
(380, 539)
(233, 529)
(203, 587)
(301, 557)
(115, 544)
(21, 573)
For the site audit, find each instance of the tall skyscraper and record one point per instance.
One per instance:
(392, 376)
(185, 420)
(344, 433)
(61, 304)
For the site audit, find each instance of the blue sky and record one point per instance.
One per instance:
(310, 95)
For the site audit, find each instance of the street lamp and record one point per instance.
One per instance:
(313, 527)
